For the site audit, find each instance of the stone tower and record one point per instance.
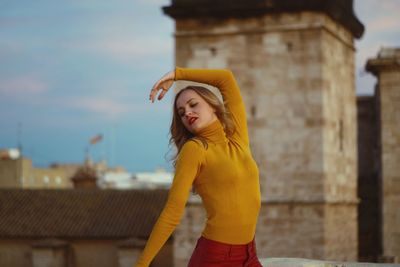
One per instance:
(386, 67)
(294, 62)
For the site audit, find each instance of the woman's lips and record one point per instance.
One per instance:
(192, 120)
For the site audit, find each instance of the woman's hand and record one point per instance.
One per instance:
(162, 84)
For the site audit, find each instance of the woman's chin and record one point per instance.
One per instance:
(194, 129)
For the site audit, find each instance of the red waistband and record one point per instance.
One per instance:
(215, 243)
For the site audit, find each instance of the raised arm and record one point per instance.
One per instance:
(225, 81)
(188, 164)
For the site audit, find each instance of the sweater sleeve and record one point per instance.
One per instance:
(188, 164)
(225, 81)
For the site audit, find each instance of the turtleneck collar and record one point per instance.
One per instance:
(213, 132)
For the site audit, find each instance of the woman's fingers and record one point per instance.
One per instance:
(154, 90)
(153, 94)
(163, 84)
(161, 95)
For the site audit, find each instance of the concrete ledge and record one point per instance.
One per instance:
(299, 262)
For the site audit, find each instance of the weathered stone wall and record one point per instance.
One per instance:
(339, 125)
(15, 253)
(296, 74)
(188, 231)
(389, 86)
(369, 187)
(341, 242)
(339, 117)
(290, 229)
(78, 253)
(387, 69)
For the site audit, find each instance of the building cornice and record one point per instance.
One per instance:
(378, 65)
(340, 10)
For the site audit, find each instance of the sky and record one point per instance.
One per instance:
(72, 69)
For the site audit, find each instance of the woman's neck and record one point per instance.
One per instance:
(213, 132)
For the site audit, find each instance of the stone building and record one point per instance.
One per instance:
(20, 173)
(294, 62)
(383, 157)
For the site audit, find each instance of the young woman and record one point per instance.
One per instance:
(214, 159)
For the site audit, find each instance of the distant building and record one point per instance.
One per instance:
(158, 179)
(17, 171)
(112, 179)
(140, 180)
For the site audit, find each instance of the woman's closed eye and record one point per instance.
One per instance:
(183, 113)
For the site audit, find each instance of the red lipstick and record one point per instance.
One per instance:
(192, 120)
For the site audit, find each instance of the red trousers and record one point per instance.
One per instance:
(210, 253)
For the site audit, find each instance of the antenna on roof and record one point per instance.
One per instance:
(19, 143)
(93, 140)
(113, 141)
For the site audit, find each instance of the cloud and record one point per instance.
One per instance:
(127, 35)
(23, 86)
(132, 49)
(8, 47)
(155, 2)
(101, 106)
(387, 24)
(107, 107)
(125, 49)
(391, 7)
(382, 26)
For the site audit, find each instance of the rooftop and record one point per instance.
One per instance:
(79, 213)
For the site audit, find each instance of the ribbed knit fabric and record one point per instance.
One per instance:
(225, 175)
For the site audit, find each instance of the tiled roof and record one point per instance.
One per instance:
(79, 213)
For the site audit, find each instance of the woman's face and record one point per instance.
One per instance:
(194, 111)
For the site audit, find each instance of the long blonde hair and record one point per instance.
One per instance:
(180, 135)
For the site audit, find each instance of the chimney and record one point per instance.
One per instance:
(85, 177)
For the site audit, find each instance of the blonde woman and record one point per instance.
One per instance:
(213, 159)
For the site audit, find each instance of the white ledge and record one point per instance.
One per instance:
(299, 262)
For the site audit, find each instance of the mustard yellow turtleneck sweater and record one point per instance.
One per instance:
(225, 175)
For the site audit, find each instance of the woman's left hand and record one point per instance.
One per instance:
(164, 84)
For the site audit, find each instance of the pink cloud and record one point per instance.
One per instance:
(22, 86)
(384, 23)
(102, 106)
(392, 6)
(126, 48)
